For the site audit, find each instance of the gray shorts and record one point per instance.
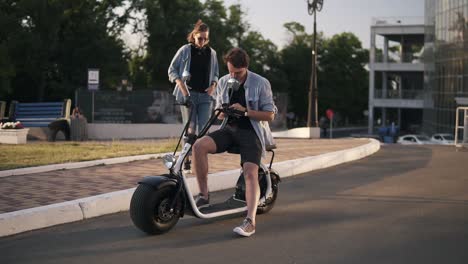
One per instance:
(244, 141)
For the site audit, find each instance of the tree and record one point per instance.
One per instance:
(265, 59)
(296, 62)
(169, 22)
(50, 44)
(343, 80)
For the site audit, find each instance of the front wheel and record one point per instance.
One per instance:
(270, 202)
(150, 209)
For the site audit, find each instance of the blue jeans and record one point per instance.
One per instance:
(201, 105)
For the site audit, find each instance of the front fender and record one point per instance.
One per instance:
(158, 182)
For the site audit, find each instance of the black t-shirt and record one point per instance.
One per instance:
(200, 68)
(241, 122)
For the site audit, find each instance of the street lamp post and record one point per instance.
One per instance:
(313, 6)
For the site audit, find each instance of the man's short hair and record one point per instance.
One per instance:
(237, 57)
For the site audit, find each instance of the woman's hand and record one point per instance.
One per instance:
(210, 90)
(182, 87)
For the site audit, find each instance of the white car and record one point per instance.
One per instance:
(413, 139)
(444, 139)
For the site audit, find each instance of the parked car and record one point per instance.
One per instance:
(413, 139)
(444, 139)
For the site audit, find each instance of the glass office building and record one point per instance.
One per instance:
(446, 63)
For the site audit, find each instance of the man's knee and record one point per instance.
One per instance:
(204, 145)
(250, 171)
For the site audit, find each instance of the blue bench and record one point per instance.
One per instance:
(54, 115)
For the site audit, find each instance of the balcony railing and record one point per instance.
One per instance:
(398, 94)
(396, 58)
(392, 21)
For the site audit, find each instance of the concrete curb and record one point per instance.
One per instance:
(77, 165)
(71, 211)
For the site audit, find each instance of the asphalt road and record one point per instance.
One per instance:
(403, 204)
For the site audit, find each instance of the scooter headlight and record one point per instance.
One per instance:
(233, 84)
(168, 160)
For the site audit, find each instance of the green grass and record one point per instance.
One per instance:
(46, 153)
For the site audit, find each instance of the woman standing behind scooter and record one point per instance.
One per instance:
(195, 71)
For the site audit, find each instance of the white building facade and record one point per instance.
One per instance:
(396, 73)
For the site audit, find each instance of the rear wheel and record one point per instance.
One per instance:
(270, 202)
(150, 209)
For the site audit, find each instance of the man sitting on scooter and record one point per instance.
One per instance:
(254, 98)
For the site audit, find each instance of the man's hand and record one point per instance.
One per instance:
(238, 107)
(221, 116)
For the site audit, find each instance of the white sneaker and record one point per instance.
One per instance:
(246, 229)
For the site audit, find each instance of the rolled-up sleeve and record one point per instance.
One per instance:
(174, 67)
(215, 65)
(220, 92)
(266, 102)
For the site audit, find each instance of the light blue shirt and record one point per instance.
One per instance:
(181, 63)
(258, 97)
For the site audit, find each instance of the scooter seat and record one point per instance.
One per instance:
(270, 147)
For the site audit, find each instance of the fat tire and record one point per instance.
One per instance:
(270, 203)
(144, 209)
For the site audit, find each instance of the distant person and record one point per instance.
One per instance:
(323, 124)
(78, 125)
(290, 119)
(76, 113)
(200, 60)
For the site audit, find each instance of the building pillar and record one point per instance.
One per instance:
(385, 50)
(465, 131)
(371, 82)
(384, 116)
(371, 102)
(399, 118)
(384, 74)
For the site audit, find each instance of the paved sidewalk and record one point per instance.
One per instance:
(39, 189)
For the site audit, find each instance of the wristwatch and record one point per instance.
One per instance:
(246, 113)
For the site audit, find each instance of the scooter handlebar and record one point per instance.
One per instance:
(231, 111)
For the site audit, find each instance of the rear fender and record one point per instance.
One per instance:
(272, 171)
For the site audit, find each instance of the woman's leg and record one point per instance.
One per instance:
(203, 111)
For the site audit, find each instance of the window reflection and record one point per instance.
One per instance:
(446, 74)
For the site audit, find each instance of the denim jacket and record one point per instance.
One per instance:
(259, 97)
(181, 63)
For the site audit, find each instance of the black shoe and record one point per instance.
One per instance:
(201, 202)
(187, 166)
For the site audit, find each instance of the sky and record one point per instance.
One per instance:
(337, 16)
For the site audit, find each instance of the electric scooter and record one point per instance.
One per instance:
(159, 201)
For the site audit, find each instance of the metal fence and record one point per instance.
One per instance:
(398, 94)
(147, 106)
